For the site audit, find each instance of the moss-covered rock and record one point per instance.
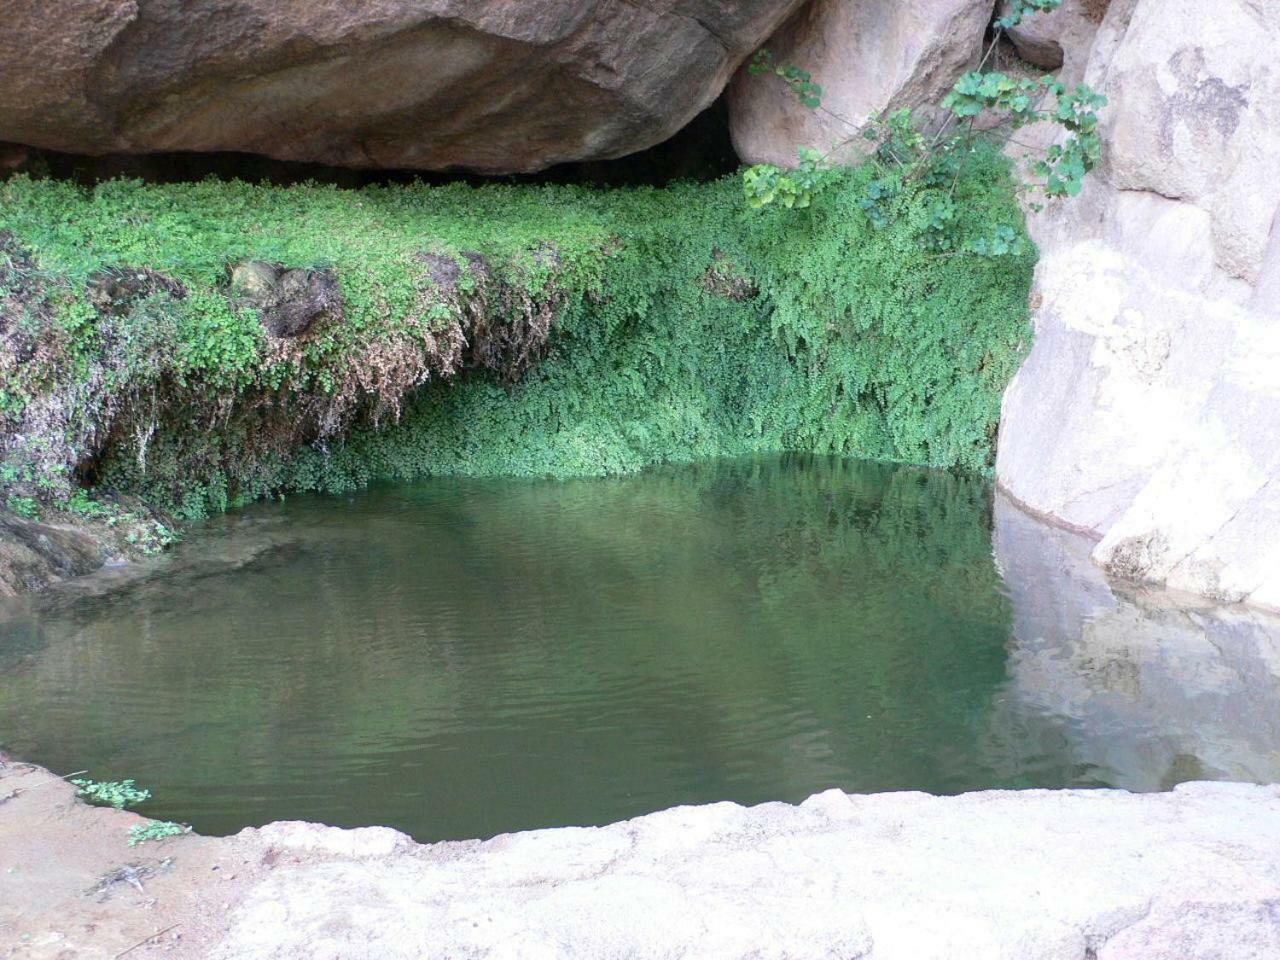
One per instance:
(502, 329)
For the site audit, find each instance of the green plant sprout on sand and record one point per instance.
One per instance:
(111, 793)
(156, 830)
(126, 793)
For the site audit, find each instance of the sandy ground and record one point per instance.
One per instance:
(72, 887)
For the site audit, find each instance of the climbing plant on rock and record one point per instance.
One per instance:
(925, 166)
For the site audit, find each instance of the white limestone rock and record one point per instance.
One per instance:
(997, 875)
(1148, 413)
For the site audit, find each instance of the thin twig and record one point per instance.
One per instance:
(946, 124)
(968, 143)
(145, 940)
(65, 776)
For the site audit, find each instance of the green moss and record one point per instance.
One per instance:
(684, 325)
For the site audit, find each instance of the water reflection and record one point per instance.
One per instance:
(1147, 689)
(459, 657)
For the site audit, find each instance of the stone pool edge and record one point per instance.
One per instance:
(1101, 874)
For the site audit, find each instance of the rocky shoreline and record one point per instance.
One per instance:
(1102, 874)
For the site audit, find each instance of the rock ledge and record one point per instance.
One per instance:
(1037, 874)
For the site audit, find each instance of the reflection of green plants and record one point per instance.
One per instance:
(111, 793)
(155, 830)
(926, 168)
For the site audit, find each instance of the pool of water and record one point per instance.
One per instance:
(460, 658)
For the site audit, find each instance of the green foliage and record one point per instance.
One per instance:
(27, 507)
(149, 539)
(682, 326)
(1065, 164)
(1018, 9)
(126, 793)
(111, 793)
(975, 92)
(794, 189)
(82, 506)
(155, 830)
(1018, 101)
(858, 343)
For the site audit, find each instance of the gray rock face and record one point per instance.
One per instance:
(869, 56)
(1148, 413)
(905, 876)
(491, 86)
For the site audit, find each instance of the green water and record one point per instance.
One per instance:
(461, 658)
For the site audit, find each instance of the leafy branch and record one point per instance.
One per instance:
(801, 81)
(907, 161)
(1064, 165)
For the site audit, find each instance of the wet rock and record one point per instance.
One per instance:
(289, 301)
(488, 85)
(33, 555)
(1148, 412)
(868, 56)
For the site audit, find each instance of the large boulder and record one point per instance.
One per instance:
(1148, 413)
(487, 85)
(1061, 39)
(868, 56)
(997, 875)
